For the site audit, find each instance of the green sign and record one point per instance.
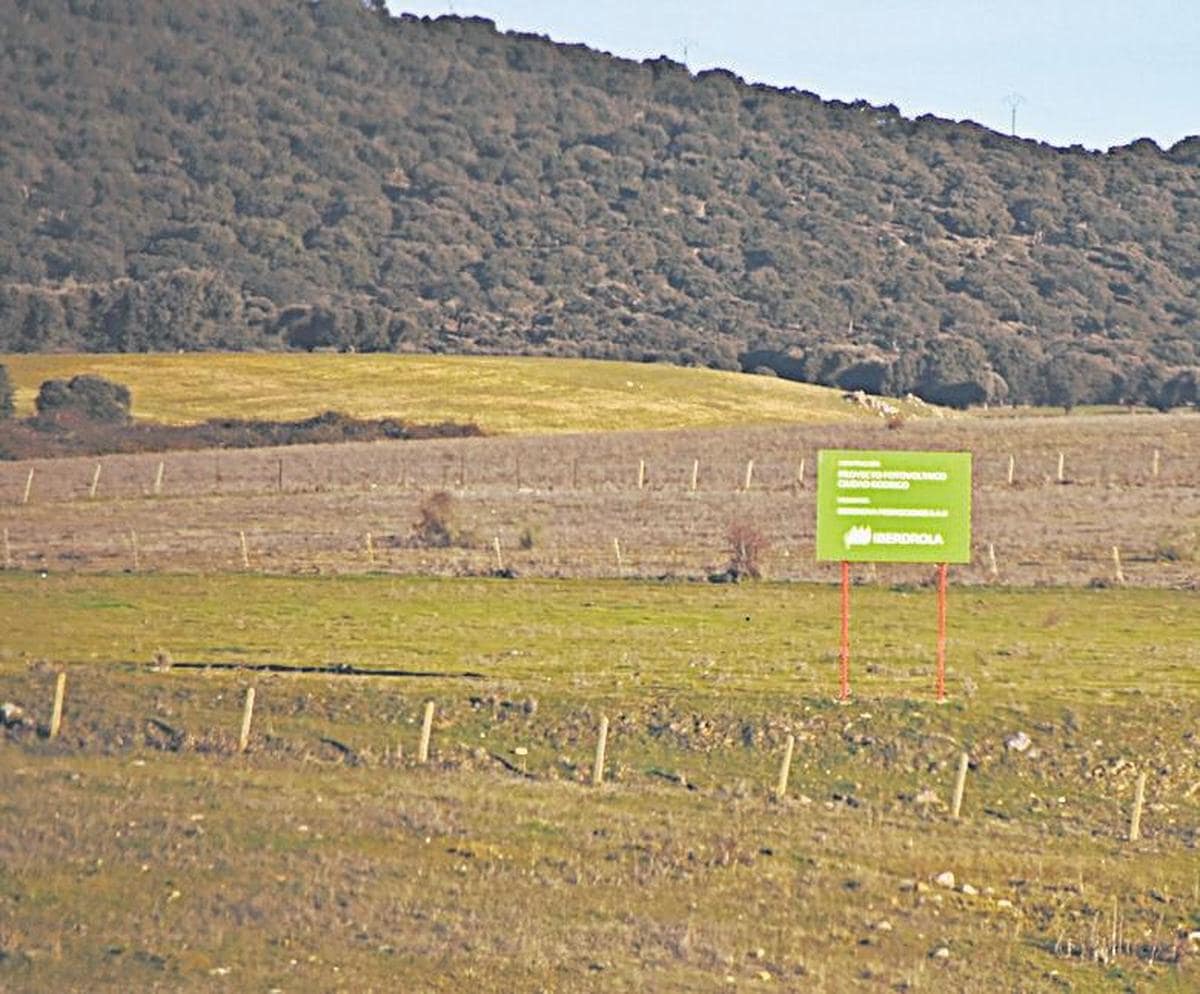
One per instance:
(894, 507)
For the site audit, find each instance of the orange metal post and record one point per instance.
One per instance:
(844, 659)
(941, 633)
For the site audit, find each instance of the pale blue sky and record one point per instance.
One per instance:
(1092, 72)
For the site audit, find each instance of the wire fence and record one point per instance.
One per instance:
(578, 507)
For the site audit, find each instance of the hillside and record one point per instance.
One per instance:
(290, 174)
(523, 395)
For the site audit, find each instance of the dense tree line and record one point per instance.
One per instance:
(7, 403)
(296, 174)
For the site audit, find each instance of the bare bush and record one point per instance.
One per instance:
(436, 526)
(747, 547)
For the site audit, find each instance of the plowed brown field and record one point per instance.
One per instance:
(310, 508)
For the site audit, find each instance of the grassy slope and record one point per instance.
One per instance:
(503, 395)
(289, 869)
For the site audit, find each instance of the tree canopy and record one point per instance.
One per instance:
(299, 174)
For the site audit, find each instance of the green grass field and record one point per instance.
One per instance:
(140, 851)
(758, 639)
(503, 395)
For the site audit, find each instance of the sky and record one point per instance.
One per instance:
(1096, 73)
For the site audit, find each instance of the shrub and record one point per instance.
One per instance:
(6, 394)
(435, 527)
(747, 547)
(92, 397)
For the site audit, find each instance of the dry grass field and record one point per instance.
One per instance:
(567, 498)
(503, 395)
(141, 849)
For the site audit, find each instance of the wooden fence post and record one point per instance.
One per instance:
(95, 483)
(133, 545)
(426, 732)
(641, 473)
(960, 784)
(1118, 573)
(1154, 464)
(158, 478)
(1012, 468)
(499, 555)
(993, 567)
(695, 474)
(1135, 818)
(601, 749)
(785, 769)
(1062, 468)
(749, 474)
(370, 552)
(245, 550)
(617, 550)
(800, 474)
(247, 718)
(28, 488)
(60, 690)
(7, 551)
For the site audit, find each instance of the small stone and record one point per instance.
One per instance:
(1004, 904)
(969, 890)
(940, 953)
(945, 879)
(764, 974)
(883, 926)
(11, 714)
(927, 798)
(1018, 742)
(759, 953)
(908, 884)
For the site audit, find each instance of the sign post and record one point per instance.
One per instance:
(940, 680)
(897, 507)
(844, 655)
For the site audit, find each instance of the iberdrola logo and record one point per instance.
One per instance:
(858, 535)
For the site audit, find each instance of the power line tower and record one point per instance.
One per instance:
(1012, 102)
